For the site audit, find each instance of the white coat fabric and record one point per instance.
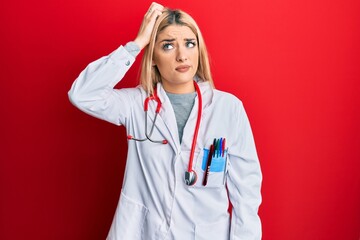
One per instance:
(155, 202)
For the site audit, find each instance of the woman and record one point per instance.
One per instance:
(188, 160)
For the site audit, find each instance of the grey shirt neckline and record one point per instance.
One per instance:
(182, 105)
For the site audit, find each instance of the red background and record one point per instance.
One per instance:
(295, 65)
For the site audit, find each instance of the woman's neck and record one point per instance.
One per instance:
(181, 88)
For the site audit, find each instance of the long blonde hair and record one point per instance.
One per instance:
(150, 75)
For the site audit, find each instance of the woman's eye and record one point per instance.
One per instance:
(190, 44)
(167, 46)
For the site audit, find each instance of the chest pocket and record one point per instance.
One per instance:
(216, 174)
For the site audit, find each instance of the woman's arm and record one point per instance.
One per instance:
(244, 183)
(93, 91)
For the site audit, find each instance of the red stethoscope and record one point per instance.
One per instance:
(190, 174)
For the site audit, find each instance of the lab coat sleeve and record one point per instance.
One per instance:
(93, 91)
(244, 183)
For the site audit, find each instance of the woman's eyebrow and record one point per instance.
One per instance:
(173, 39)
(168, 40)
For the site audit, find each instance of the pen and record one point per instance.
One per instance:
(216, 147)
(223, 147)
(207, 170)
(214, 144)
(220, 147)
(226, 164)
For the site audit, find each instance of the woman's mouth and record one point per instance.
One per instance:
(182, 68)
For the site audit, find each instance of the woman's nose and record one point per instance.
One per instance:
(181, 56)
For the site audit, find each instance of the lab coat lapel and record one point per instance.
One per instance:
(207, 93)
(189, 130)
(166, 121)
(168, 116)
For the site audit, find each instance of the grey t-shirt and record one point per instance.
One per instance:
(182, 105)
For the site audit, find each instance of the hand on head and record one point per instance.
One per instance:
(147, 25)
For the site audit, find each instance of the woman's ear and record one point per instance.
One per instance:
(153, 63)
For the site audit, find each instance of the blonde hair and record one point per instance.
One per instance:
(150, 75)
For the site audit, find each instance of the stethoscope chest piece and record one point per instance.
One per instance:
(190, 178)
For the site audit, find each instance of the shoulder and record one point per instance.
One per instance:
(133, 93)
(217, 97)
(227, 103)
(222, 97)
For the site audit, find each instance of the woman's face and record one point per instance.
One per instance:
(176, 55)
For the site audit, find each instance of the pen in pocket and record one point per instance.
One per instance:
(226, 163)
(208, 164)
(223, 147)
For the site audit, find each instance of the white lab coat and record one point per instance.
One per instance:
(155, 203)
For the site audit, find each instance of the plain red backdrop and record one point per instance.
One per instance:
(295, 65)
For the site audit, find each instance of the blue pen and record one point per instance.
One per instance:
(220, 147)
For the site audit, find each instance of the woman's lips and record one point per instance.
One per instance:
(182, 68)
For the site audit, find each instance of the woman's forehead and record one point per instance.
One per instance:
(176, 32)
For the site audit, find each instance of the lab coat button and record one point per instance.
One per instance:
(127, 63)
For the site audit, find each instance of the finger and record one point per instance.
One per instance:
(153, 7)
(150, 10)
(156, 5)
(156, 13)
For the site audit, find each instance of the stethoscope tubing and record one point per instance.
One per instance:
(197, 126)
(190, 174)
(148, 135)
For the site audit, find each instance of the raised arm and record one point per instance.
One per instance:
(93, 91)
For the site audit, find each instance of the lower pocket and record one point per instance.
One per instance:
(216, 231)
(128, 220)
